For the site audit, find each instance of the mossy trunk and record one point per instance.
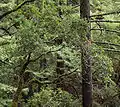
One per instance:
(85, 57)
(17, 93)
(21, 82)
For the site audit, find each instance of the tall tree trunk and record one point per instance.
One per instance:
(85, 57)
(60, 61)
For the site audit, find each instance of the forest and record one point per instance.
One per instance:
(59, 53)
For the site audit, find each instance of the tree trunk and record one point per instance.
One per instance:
(20, 83)
(17, 93)
(60, 61)
(85, 58)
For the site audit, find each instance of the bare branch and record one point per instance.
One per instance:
(66, 74)
(106, 43)
(19, 6)
(114, 31)
(109, 21)
(76, 6)
(104, 14)
(111, 50)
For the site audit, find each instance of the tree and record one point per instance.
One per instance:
(41, 43)
(85, 57)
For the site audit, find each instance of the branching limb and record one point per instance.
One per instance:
(33, 60)
(6, 31)
(20, 83)
(25, 64)
(65, 74)
(19, 6)
(54, 81)
(100, 28)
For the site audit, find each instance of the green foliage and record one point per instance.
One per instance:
(6, 94)
(49, 98)
(35, 29)
(103, 67)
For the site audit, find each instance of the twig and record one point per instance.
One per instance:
(111, 98)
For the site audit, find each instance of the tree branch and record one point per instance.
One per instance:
(25, 64)
(19, 6)
(111, 98)
(33, 60)
(1, 61)
(115, 31)
(106, 43)
(5, 30)
(104, 14)
(111, 50)
(54, 80)
(109, 21)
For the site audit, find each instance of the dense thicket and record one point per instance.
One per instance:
(40, 53)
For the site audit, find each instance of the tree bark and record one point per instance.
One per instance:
(85, 57)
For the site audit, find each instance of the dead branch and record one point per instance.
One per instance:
(104, 14)
(114, 31)
(106, 43)
(111, 50)
(108, 21)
